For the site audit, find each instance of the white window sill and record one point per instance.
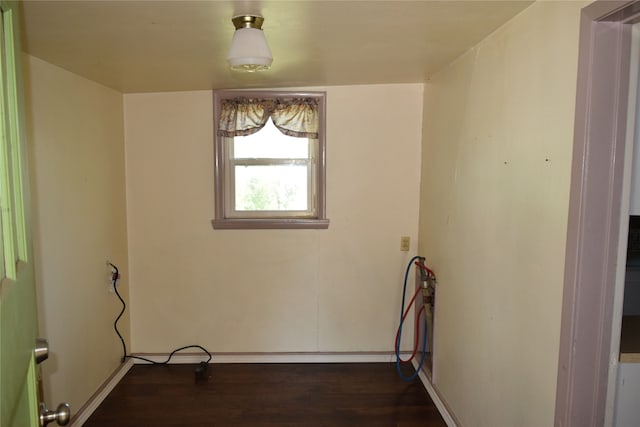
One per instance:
(272, 223)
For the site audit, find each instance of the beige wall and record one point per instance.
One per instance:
(271, 290)
(497, 143)
(75, 136)
(496, 149)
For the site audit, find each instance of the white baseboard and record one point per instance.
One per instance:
(442, 407)
(190, 358)
(94, 401)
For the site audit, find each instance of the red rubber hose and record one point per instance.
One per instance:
(404, 316)
(425, 268)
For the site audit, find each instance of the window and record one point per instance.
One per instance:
(269, 160)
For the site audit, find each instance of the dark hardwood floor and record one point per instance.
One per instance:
(267, 395)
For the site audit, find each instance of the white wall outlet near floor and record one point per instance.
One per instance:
(405, 243)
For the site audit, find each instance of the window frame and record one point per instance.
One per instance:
(221, 220)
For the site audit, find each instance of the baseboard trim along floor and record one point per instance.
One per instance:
(352, 357)
(83, 414)
(435, 396)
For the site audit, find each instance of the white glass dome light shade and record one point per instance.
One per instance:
(249, 50)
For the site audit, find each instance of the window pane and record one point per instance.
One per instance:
(271, 188)
(270, 143)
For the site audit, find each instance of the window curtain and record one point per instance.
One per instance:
(245, 116)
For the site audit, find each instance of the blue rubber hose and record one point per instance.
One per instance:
(424, 337)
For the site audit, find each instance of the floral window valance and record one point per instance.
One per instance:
(246, 116)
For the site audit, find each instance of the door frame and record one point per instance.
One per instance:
(594, 222)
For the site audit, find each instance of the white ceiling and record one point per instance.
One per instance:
(154, 46)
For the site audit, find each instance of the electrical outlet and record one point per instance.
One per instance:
(405, 243)
(109, 276)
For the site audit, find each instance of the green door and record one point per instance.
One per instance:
(18, 322)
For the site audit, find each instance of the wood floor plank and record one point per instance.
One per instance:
(267, 395)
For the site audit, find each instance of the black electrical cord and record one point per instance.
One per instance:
(166, 362)
(114, 280)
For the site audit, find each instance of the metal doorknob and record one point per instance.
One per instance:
(42, 350)
(62, 415)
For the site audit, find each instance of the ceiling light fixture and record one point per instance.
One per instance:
(249, 49)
